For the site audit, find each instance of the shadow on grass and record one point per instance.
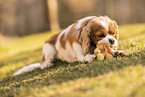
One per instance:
(63, 72)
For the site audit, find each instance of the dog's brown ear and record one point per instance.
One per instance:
(84, 38)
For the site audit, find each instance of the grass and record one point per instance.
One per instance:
(120, 77)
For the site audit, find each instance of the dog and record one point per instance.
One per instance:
(78, 41)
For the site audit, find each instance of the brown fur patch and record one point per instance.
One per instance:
(63, 41)
(43, 58)
(52, 40)
(112, 30)
(71, 36)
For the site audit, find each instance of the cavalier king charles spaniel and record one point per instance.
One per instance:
(78, 41)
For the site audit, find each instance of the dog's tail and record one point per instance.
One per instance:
(27, 68)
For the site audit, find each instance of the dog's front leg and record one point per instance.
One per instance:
(119, 53)
(80, 56)
(90, 57)
(86, 58)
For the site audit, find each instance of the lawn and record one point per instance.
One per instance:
(119, 77)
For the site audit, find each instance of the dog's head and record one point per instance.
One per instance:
(99, 30)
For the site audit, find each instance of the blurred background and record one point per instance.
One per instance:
(24, 17)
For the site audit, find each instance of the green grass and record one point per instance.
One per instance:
(120, 77)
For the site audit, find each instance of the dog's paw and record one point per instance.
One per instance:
(46, 64)
(119, 53)
(90, 57)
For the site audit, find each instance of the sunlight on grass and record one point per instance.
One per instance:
(23, 44)
(131, 31)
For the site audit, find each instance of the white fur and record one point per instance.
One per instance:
(73, 54)
(78, 25)
(67, 30)
(89, 57)
(49, 52)
(66, 54)
(79, 54)
(28, 68)
(105, 25)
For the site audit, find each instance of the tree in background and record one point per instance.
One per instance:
(53, 14)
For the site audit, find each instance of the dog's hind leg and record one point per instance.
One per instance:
(48, 55)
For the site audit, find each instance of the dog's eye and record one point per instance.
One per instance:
(111, 33)
(101, 35)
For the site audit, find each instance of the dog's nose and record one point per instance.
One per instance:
(111, 41)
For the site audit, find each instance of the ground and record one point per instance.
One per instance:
(120, 77)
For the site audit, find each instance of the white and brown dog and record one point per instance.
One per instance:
(77, 42)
